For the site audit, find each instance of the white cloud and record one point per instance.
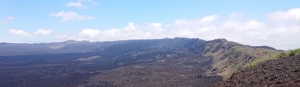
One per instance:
(290, 15)
(156, 24)
(26, 34)
(89, 33)
(19, 32)
(77, 4)
(6, 20)
(70, 15)
(210, 18)
(42, 32)
(273, 32)
(80, 4)
(131, 31)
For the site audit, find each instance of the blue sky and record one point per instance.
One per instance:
(251, 22)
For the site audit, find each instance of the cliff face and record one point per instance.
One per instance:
(284, 72)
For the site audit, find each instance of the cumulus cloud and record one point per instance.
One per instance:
(89, 33)
(6, 20)
(156, 24)
(290, 15)
(70, 15)
(42, 32)
(26, 34)
(19, 32)
(209, 18)
(77, 4)
(273, 32)
(131, 31)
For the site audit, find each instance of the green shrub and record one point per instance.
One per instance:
(289, 53)
(296, 51)
(252, 64)
(257, 61)
(281, 55)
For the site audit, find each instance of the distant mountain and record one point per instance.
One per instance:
(71, 46)
(128, 63)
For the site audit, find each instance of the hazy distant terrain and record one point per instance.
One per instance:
(129, 63)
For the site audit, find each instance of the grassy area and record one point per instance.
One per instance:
(282, 55)
(289, 53)
(258, 61)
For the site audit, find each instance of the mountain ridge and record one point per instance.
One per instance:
(188, 61)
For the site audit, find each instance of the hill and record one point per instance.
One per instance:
(128, 63)
(284, 72)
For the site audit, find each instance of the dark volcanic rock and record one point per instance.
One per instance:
(178, 62)
(283, 72)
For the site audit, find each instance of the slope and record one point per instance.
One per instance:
(282, 72)
(129, 63)
(189, 62)
(229, 57)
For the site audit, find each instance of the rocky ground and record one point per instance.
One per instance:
(170, 72)
(284, 72)
(177, 62)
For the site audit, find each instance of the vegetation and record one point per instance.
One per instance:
(282, 72)
(281, 55)
(289, 53)
(258, 61)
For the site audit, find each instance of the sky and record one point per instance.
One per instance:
(274, 23)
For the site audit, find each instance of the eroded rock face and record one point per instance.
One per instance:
(283, 72)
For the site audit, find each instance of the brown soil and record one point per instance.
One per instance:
(283, 72)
